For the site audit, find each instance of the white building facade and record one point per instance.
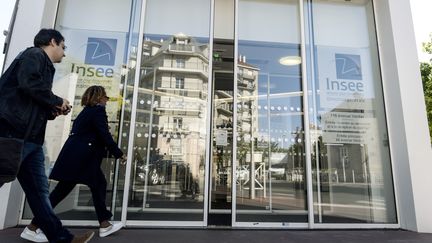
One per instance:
(243, 113)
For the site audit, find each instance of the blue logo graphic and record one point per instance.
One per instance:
(100, 51)
(348, 67)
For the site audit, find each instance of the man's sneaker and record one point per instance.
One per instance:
(86, 237)
(114, 227)
(35, 236)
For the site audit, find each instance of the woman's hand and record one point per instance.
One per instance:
(123, 159)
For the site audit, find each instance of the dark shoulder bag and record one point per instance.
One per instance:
(11, 149)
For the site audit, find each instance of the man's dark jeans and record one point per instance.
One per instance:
(34, 182)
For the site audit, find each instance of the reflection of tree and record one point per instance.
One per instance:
(426, 74)
(296, 150)
(321, 151)
(274, 147)
(243, 148)
(222, 155)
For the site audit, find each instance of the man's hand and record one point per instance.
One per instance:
(65, 108)
(54, 113)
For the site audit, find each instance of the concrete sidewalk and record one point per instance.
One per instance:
(242, 236)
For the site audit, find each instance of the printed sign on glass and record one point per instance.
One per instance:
(101, 51)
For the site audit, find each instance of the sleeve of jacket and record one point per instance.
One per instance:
(51, 115)
(101, 123)
(32, 82)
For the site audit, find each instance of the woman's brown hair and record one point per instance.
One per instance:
(93, 95)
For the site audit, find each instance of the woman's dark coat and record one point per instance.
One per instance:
(81, 156)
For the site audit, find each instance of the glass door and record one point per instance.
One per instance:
(168, 130)
(270, 160)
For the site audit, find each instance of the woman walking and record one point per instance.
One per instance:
(80, 159)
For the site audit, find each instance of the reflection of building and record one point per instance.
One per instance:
(174, 84)
(247, 108)
(247, 123)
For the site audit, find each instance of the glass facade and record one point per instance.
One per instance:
(224, 106)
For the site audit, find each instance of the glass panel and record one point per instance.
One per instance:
(220, 192)
(98, 48)
(270, 176)
(352, 176)
(221, 163)
(167, 181)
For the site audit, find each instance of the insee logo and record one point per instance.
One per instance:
(100, 51)
(348, 67)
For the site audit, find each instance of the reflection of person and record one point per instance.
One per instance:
(187, 183)
(26, 98)
(80, 159)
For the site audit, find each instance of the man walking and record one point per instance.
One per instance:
(26, 98)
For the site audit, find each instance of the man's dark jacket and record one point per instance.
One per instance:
(25, 92)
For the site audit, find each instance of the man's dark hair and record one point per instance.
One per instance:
(44, 37)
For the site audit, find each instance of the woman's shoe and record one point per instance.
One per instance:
(114, 227)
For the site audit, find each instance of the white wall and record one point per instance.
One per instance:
(343, 28)
(273, 21)
(29, 18)
(224, 19)
(168, 17)
(5, 24)
(407, 122)
(98, 20)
